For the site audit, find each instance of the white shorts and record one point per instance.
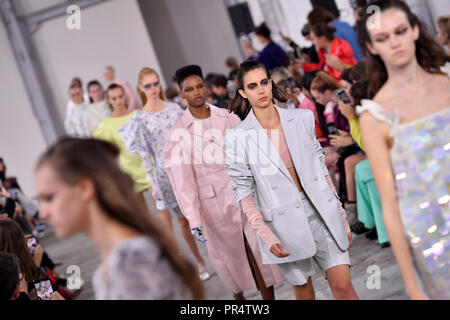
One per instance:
(328, 253)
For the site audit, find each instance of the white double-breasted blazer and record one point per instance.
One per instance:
(256, 168)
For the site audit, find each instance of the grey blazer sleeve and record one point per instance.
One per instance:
(311, 126)
(236, 162)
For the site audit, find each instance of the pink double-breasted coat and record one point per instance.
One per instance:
(195, 163)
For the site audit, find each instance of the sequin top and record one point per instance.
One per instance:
(137, 269)
(420, 160)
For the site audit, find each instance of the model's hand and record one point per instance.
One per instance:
(198, 234)
(347, 110)
(343, 140)
(350, 241)
(278, 251)
(334, 62)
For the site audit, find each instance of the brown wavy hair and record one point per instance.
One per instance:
(74, 159)
(323, 82)
(430, 55)
(12, 240)
(242, 106)
(146, 72)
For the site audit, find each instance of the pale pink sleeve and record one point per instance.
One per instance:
(256, 221)
(341, 209)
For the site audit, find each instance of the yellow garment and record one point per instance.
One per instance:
(108, 130)
(355, 132)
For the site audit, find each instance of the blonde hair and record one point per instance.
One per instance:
(146, 72)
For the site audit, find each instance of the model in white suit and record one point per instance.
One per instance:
(281, 180)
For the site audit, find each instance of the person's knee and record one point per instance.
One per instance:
(342, 288)
(304, 292)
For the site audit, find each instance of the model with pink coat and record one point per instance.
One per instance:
(194, 161)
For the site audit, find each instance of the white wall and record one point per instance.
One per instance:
(21, 140)
(111, 33)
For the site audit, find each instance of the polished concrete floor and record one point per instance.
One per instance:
(78, 250)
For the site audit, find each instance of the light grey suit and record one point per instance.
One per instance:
(256, 167)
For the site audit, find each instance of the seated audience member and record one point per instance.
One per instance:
(12, 283)
(219, 88)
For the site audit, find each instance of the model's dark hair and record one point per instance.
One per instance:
(263, 31)
(93, 83)
(242, 106)
(430, 55)
(9, 275)
(346, 75)
(75, 159)
(12, 240)
(358, 72)
(320, 15)
(360, 91)
(324, 30)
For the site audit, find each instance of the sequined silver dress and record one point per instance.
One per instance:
(421, 164)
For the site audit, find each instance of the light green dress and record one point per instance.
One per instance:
(108, 130)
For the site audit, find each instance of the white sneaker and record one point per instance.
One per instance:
(203, 274)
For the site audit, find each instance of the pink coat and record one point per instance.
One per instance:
(207, 199)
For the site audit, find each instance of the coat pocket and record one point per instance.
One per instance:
(206, 192)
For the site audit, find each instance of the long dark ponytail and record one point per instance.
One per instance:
(74, 159)
(430, 55)
(241, 106)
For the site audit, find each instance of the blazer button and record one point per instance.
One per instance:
(316, 178)
(297, 206)
(281, 213)
(274, 187)
(330, 199)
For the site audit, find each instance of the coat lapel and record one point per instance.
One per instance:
(258, 135)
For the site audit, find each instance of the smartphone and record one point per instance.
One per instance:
(44, 289)
(332, 130)
(32, 244)
(342, 95)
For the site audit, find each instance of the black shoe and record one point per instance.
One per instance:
(385, 245)
(358, 228)
(372, 235)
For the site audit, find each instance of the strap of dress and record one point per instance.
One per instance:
(377, 111)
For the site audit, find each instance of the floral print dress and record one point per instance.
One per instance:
(146, 134)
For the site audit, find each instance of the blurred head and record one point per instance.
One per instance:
(263, 33)
(115, 97)
(393, 38)
(149, 85)
(109, 73)
(76, 82)
(9, 276)
(95, 91)
(2, 170)
(322, 34)
(443, 30)
(359, 91)
(323, 88)
(320, 15)
(171, 93)
(76, 94)
(12, 240)
(346, 81)
(76, 179)
(255, 89)
(219, 85)
(192, 85)
(231, 64)
(305, 83)
(283, 78)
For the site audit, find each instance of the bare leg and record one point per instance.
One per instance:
(305, 292)
(267, 293)
(187, 235)
(340, 283)
(350, 164)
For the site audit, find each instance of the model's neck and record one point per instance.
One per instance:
(120, 111)
(154, 104)
(268, 117)
(411, 76)
(200, 112)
